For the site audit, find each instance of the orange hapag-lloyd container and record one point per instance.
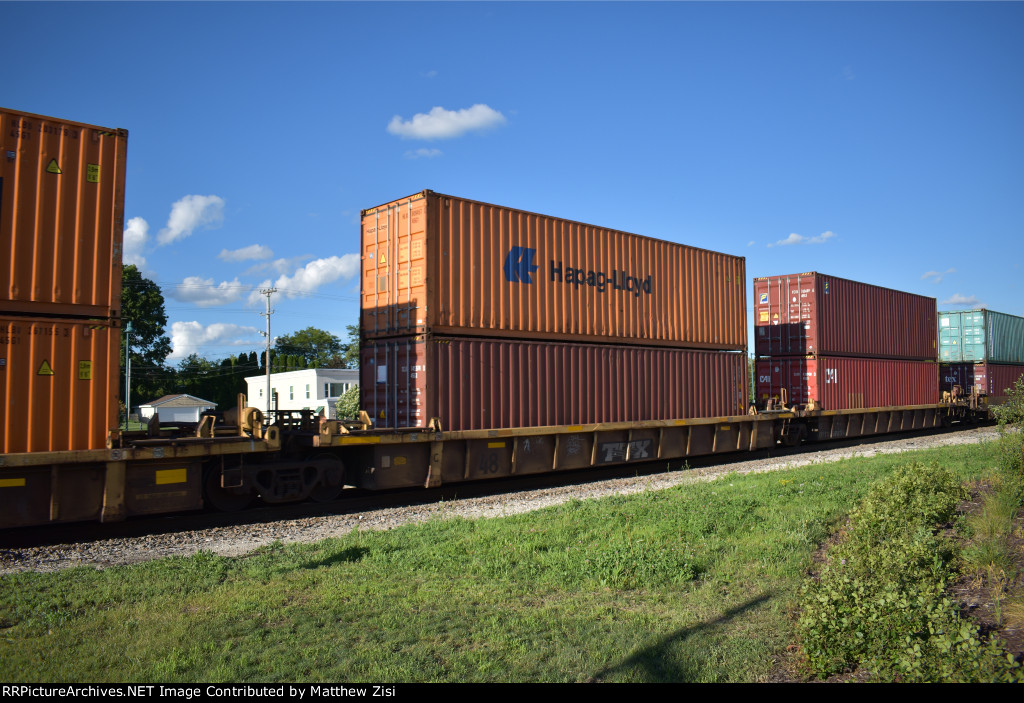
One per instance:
(59, 382)
(435, 263)
(61, 216)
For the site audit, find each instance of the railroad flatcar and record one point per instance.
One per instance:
(665, 368)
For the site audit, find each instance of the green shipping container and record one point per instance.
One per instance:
(980, 336)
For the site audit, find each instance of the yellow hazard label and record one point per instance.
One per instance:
(45, 369)
(775, 316)
(85, 370)
(165, 476)
(11, 482)
(383, 258)
(764, 317)
(52, 167)
(92, 173)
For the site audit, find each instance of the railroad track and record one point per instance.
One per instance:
(53, 547)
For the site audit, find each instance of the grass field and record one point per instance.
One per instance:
(698, 583)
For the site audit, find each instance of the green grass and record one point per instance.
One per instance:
(697, 583)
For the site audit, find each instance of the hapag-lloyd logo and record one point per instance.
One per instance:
(519, 267)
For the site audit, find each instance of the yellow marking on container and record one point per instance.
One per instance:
(52, 167)
(399, 461)
(45, 369)
(360, 440)
(85, 370)
(166, 476)
(495, 445)
(764, 316)
(92, 173)
(11, 482)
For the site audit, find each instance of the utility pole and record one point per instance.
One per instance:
(127, 373)
(268, 292)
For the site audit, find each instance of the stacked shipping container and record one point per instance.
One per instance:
(981, 351)
(485, 317)
(61, 220)
(843, 344)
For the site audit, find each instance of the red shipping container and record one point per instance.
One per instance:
(844, 383)
(491, 383)
(810, 313)
(58, 379)
(990, 379)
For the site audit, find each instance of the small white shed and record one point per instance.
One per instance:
(180, 407)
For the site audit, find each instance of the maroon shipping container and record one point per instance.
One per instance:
(810, 313)
(990, 379)
(843, 383)
(492, 383)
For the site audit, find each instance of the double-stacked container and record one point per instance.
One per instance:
(485, 316)
(61, 226)
(843, 344)
(981, 351)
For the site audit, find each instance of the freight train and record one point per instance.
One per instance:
(496, 342)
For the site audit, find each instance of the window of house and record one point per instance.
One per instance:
(307, 390)
(291, 392)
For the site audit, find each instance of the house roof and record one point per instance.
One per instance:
(180, 400)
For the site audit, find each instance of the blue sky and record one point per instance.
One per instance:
(882, 142)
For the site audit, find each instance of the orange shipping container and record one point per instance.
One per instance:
(441, 264)
(58, 379)
(61, 216)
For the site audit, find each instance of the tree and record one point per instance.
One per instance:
(314, 347)
(350, 350)
(142, 304)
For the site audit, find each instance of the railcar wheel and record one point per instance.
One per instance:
(332, 479)
(226, 500)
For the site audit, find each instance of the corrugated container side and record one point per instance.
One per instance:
(843, 383)
(990, 379)
(491, 383)
(64, 377)
(981, 335)
(811, 313)
(435, 263)
(61, 216)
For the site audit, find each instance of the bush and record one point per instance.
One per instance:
(348, 404)
(880, 602)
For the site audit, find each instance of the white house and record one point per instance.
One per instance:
(315, 389)
(180, 407)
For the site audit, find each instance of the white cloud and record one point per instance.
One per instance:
(938, 276)
(445, 124)
(967, 301)
(205, 294)
(135, 235)
(795, 238)
(429, 74)
(310, 277)
(190, 337)
(190, 212)
(250, 253)
(750, 243)
(423, 154)
(278, 266)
